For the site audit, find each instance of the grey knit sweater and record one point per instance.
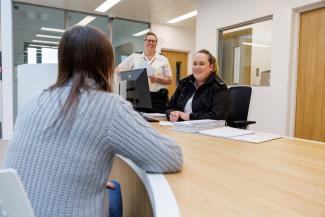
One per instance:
(64, 165)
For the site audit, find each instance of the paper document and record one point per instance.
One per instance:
(225, 132)
(217, 128)
(256, 137)
(165, 123)
(197, 125)
(145, 64)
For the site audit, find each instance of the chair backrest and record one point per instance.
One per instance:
(13, 198)
(239, 97)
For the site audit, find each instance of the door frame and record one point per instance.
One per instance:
(189, 57)
(293, 67)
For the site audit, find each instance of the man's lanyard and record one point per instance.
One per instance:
(151, 61)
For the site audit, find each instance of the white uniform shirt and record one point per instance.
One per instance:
(158, 66)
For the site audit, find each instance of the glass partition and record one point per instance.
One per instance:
(245, 52)
(77, 18)
(37, 31)
(125, 38)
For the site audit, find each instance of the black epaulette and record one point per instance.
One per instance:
(139, 52)
(219, 80)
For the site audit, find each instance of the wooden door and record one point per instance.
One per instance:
(178, 63)
(310, 107)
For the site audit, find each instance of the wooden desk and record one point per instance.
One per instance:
(283, 177)
(225, 178)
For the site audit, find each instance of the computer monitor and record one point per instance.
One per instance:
(135, 88)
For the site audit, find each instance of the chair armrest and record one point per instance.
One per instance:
(241, 124)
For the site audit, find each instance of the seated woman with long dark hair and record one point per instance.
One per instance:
(65, 138)
(202, 95)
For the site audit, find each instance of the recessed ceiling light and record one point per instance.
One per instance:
(141, 33)
(183, 17)
(48, 36)
(86, 21)
(52, 29)
(45, 42)
(106, 5)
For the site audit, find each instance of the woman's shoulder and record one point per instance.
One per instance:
(108, 97)
(187, 79)
(218, 82)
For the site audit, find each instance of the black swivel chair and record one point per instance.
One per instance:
(239, 97)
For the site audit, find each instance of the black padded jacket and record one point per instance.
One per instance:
(210, 100)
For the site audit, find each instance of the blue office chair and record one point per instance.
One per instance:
(239, 97)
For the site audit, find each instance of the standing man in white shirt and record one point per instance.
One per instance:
(158, 68)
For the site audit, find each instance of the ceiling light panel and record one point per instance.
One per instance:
(106, 5)
(48, 36)
(45, 42)
(141, 33)
(85, 21)
(52, 29)
(183, 17)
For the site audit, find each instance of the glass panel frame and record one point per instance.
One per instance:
(244, 52)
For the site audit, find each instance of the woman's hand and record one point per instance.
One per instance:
(110, 185)
(175, 115)
(184, 116)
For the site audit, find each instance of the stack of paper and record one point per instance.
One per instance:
(256, 137)
(217, 128)
(197, 125)
(239, 134)
(225, 132)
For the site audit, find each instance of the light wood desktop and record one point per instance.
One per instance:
(283, 177)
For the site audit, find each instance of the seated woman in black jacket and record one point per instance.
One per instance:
(202, 95)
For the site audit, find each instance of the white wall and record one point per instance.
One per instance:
(7, 69)
(269, 105)
(176, 38)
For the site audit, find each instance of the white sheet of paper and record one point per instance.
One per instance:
(256, 137)
(225, 132)
(150, 71)
(145, 64)
(165, 123)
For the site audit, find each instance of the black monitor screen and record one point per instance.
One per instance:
(137, 88)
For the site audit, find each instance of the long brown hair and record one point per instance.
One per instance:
(211, 59)
(85, 53)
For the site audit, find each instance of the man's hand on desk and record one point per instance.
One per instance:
(175, 115)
